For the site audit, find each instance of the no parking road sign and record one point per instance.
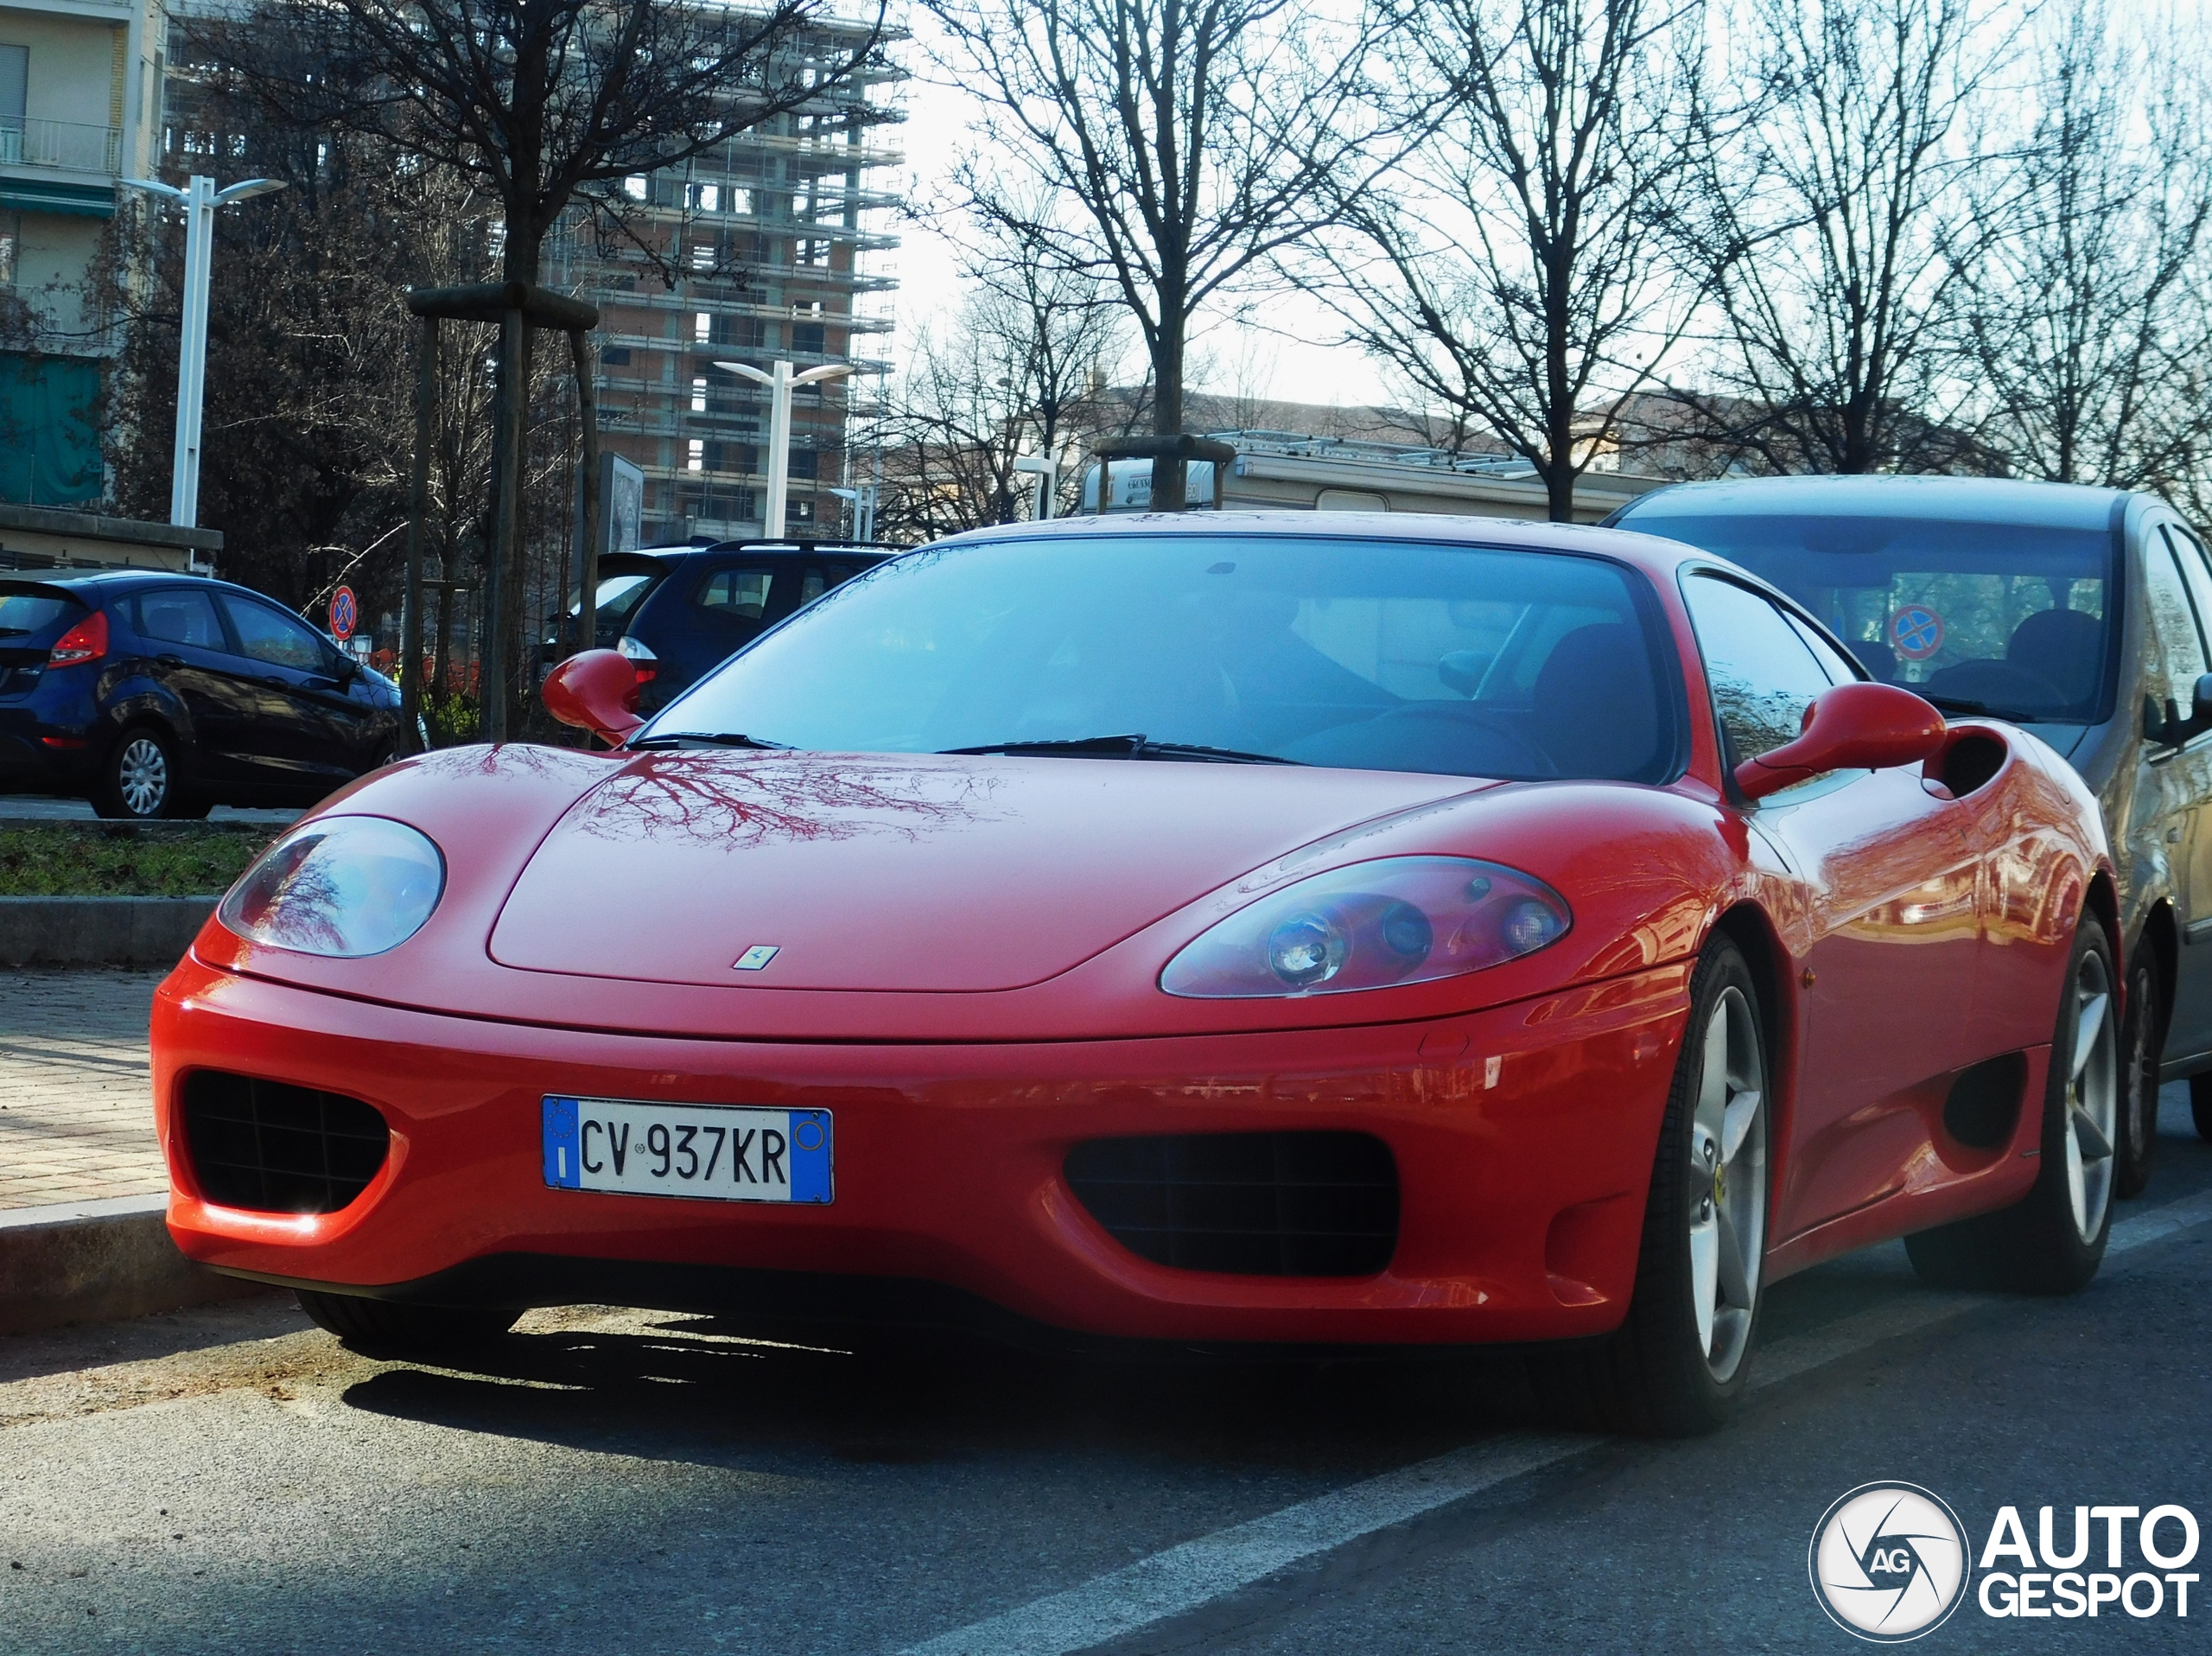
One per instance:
(344, 614)
(1916, 632)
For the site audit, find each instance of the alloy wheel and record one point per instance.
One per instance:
(142, 776)
(2092, 1096)
(1728, 1184)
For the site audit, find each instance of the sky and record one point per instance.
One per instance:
(1283, 362)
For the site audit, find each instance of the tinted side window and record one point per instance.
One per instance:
(2189, 553)
(179, 616)
(735, 595)
(264, 635)
(1839, 672)
(2173, 626)
(1763, 675)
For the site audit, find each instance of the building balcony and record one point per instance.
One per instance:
(65, 146)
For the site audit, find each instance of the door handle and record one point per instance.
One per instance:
(169, 660)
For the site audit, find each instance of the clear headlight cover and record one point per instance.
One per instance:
(343, 887)
(1397, 919)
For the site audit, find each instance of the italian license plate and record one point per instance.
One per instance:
(719, 1152)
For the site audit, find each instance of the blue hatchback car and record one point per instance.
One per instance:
(159, 695)
(678, 611)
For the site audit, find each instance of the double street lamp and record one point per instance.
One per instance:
(199, 198)
(780, 384)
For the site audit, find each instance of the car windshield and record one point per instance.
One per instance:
(1363, 654)
(2014, 619)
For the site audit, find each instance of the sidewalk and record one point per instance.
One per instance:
(76, 1121)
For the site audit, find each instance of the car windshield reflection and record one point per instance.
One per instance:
(1314, 649)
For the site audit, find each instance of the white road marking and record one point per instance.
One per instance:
(1182, 1578)
(2159, 1223)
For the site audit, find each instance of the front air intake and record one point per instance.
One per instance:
(277, 1148)
(1307, 1204)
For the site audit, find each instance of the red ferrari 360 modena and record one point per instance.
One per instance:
(1308, 930)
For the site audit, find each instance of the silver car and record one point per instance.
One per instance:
(2083, 614)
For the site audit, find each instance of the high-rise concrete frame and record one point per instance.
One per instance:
(775, 238)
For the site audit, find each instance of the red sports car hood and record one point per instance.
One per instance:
(868, 872)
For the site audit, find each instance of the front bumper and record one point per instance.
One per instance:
(1524, 1137)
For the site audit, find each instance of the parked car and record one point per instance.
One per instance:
(1277, 928)
(161, 695)
(2083, 614)
(677, 611)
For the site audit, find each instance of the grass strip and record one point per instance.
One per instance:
(124, 859)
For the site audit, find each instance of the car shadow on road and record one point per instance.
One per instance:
(696, 1389)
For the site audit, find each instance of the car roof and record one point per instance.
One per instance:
(1958, 499)
(1648, 552)
(672, 555)
(98, 580)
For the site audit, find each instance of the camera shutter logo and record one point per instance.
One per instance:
(1889, 1562)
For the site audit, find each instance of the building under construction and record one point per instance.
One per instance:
(774, 243)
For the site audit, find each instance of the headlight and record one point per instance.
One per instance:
(1397, 919)
(340, 886)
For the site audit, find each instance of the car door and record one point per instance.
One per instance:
(190, 658)
(2177, 596)
(303, 720)
(1888, 886)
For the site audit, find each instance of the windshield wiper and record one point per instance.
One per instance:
(1988, 711)
(1136, 746)
(708, 739)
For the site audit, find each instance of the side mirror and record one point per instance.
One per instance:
(1853, 727)
(596, 690)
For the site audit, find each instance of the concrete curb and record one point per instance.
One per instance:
(99, 931)
(93, 1261)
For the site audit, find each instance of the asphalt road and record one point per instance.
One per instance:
(231, 1480)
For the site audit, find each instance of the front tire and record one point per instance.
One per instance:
(139, 780)
(2143, 1048)
(1677, 1363)
(2052, 1240)
(385, 1329)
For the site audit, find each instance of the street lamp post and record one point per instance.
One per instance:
(1046, 468)
(780, 384)
(200, 199)
(862, 497)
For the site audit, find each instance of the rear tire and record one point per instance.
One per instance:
(383, 1329)
(2143, 1039)
(2052, 1240)
(139, 780)
(2200, 1103)
(1676, 1366)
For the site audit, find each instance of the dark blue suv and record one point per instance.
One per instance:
(677, 611)
(159, 695)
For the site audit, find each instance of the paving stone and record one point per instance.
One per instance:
(76, 1117)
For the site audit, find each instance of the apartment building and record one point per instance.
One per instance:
(80, 88)
(775, 241)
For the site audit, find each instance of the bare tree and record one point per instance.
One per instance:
(1838, 229)
(541, 101)
(1191, 139)
(1019, 373)
(1515, 275)
(2087, 324)
(546, 103)
(309, 344)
